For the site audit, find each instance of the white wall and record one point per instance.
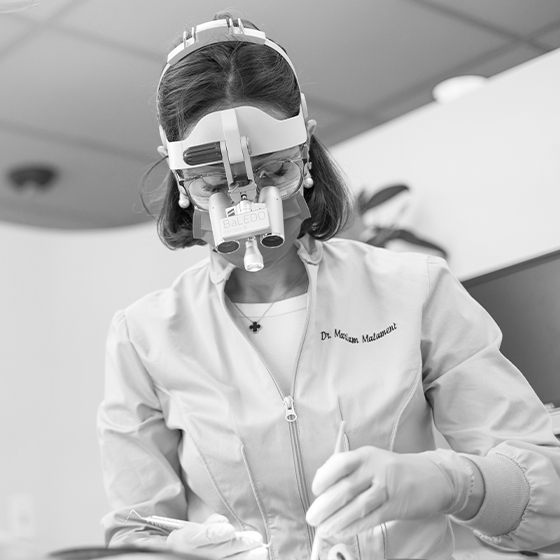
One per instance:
(58, 292)
(484, 170)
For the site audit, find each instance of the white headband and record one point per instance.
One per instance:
(264, 134)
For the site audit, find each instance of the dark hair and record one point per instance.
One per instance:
(216, 76)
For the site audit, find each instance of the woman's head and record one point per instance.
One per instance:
(228, 74)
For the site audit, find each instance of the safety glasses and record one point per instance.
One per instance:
(284, 174)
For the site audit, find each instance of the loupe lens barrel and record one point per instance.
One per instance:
(271, 197)
(217, 209)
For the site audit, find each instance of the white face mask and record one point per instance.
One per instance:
(292, 207)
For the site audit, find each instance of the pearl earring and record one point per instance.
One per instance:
(308, 181)
(184, 201)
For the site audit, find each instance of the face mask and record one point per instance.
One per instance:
(290, 207)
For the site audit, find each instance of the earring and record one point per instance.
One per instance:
(308, 181)
(184, 201)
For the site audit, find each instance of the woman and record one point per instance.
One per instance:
(225, 392)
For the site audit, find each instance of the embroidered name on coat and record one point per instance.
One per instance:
(368, 337)
(377, 335)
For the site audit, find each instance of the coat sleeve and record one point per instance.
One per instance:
(139, 453)
(488, 412)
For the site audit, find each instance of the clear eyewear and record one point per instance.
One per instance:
(286, 175)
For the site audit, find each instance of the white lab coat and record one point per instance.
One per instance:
(193, 421)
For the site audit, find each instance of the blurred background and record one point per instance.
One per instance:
(78, 130)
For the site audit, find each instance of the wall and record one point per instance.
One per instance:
(485, 169)
(58, 292)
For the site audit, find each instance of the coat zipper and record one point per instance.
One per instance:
(291, 417)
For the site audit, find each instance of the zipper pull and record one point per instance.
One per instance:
(290, 415)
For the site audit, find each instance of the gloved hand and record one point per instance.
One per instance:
(360, 489)
(217, 538)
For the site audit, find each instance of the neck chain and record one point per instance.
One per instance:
(255, 326)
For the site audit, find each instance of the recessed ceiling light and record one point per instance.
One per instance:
(454, 88)
(31, 179)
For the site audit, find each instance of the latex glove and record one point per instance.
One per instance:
(217, 538)
(360, 489)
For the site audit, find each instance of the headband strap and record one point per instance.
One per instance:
(220, 31)
(265, 135)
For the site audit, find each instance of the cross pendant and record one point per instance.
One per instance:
(255, 326)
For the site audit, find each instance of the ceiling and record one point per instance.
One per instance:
(78, 77)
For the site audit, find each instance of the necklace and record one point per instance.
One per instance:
(255, 326)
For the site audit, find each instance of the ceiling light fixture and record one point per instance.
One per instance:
(30, 179)
(454, 88)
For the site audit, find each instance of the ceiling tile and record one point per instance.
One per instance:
(324, 116)
(401, 105)
(393, 46)
(551, 38)
(11, 29)
(142, 25)
(93, 189)
(47, 9)
(346, 128)
(61, 84)
(521, 17)
(334, 126)
(502, 61)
